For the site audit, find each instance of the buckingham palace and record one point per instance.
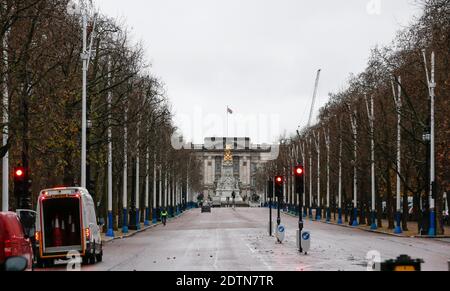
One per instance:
(229, 166)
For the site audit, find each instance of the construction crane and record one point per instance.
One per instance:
(314, 97)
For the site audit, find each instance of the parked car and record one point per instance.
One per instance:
(66, 222)
(13, 241)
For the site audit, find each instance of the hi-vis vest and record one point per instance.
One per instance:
(164, 213)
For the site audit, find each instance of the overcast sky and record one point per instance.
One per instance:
(260, 57)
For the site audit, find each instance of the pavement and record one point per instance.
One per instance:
(237, 240)
(411, 232)
(120, 235)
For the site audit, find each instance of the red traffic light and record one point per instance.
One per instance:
(279, 180)
(19, 173)
(299, 171)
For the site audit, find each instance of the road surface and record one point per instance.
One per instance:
(237, 240)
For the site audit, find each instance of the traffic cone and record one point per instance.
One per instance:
(73, 235)
(64, 232)
(57, 234)
(70, 230)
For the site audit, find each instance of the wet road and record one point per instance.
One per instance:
(237, 240)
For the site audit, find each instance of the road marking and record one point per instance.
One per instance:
(216, 251)
(259, 257)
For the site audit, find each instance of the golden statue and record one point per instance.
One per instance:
(228, 156)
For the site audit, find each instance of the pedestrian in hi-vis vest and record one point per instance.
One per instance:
(164, 215)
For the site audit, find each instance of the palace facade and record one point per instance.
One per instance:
(247, 158)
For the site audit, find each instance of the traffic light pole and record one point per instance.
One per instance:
(270, 216)
(270, 192)
(279, 211)
(299, 175)
(300, 226)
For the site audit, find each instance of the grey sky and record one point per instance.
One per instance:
(258, 56)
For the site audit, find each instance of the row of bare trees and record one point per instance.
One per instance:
(373, 131)
(41, 77)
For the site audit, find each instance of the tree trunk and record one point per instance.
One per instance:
(417, 213)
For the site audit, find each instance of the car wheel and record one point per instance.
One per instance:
(92, 256)
(92, 260)
(40, 264)
(49, 263)
(99, 257)
(86, 260)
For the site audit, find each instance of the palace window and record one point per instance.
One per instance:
(236, 166)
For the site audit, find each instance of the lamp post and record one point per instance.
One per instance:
(328, 144)
(319, 209)
(371, 116)
(398, 104)
(5, 160)
(427, 139)
(82, 9)
(85, 59)
(155, 206)
(340, 182)
(355, 169)
(137, 177)
(310, 180)
(125, 173)
(110, 232)
(432, 86)
(147, 187)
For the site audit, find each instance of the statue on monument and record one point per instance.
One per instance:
(228, 184)
(228, 156)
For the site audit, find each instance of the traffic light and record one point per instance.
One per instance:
(270, 189)
(19, 173)
(279, 182)
(299, 173)
(22, 187)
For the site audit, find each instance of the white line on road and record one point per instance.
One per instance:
(259, 257)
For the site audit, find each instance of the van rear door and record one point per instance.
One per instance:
(61, 224)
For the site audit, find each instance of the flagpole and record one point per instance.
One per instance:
(228, 113)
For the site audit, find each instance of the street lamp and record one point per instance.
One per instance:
(5, 103)
(426, 137)
(432, 148)
(81, 9)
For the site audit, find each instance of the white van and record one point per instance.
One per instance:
(66, 222)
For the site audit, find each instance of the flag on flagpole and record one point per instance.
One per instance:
(229, 110)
